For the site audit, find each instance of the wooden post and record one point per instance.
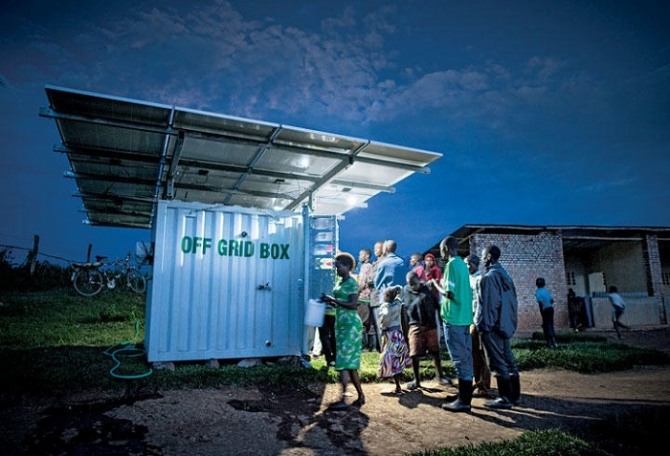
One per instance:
(32, 255)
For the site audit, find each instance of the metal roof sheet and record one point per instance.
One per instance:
(575, 237)
(127, 154)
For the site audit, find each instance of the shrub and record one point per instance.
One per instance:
(18, 277)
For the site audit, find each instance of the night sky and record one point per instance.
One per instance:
(546, 113)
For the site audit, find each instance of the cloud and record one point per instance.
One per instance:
(211, 57)
(343, 70)
(543, 68)
(603, 186)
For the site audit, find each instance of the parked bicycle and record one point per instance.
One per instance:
(89, 279)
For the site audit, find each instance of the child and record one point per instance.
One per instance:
(395, 352)
(618, 307)
(421, 307)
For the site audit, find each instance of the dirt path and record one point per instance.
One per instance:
(259, 422)
(235, 421)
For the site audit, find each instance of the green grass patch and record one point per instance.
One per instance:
(56, 343)
(588, 354)
(547, 443)
(62, 318)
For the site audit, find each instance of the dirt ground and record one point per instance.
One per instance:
(258, 421)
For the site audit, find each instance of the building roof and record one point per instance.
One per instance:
(575, 237)
(127, 154)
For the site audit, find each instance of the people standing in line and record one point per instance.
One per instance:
(365, 276)
(496, 320)
(390, 270)
(363, 254)
(374, 331)
(456, 311)
(416, 264)
(546, 303)
(395, 357)
(618, 308)
(349, 329)
(433, 271)
(420, 308)
(364, 260)
(480, 365)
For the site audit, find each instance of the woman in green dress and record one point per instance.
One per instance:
(348, 329)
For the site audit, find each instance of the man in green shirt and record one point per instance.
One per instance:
(456, 313)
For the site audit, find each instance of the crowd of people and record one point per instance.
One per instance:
(403, 313)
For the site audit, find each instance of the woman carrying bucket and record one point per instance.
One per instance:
(348, 329)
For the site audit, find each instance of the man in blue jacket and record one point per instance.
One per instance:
(496, 320)
(389, 270)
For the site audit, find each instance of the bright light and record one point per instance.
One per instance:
(304, 162)
(276, 206)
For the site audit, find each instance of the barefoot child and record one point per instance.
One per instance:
(421, 306)
(395, 352)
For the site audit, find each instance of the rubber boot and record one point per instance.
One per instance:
(464, 399)
(515, 389)
(504, 391)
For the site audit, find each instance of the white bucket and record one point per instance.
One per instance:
(314, 312)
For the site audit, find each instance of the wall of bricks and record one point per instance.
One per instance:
(655, 285)
(527, 257)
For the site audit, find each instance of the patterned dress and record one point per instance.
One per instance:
(395, 352)
(348, 328)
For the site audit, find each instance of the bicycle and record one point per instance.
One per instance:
(89, 279)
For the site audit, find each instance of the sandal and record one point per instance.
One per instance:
(413, 385)
(340, 405)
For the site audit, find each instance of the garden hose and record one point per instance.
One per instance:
(126, 346)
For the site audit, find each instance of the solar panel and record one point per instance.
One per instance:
(126, 154)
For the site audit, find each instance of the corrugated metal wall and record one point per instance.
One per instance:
(227, 283)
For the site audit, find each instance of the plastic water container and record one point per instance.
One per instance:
(314, 312)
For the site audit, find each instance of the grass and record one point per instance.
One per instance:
(54, 343)
(547, 443)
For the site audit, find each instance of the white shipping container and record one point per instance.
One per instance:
(228, 282)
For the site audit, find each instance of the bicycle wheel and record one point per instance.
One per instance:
(136, 281)
(88, 282)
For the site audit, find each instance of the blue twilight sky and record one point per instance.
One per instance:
(547, 112)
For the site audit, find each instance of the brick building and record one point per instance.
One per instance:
(585, 258)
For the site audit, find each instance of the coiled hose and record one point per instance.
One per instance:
(129, 350)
